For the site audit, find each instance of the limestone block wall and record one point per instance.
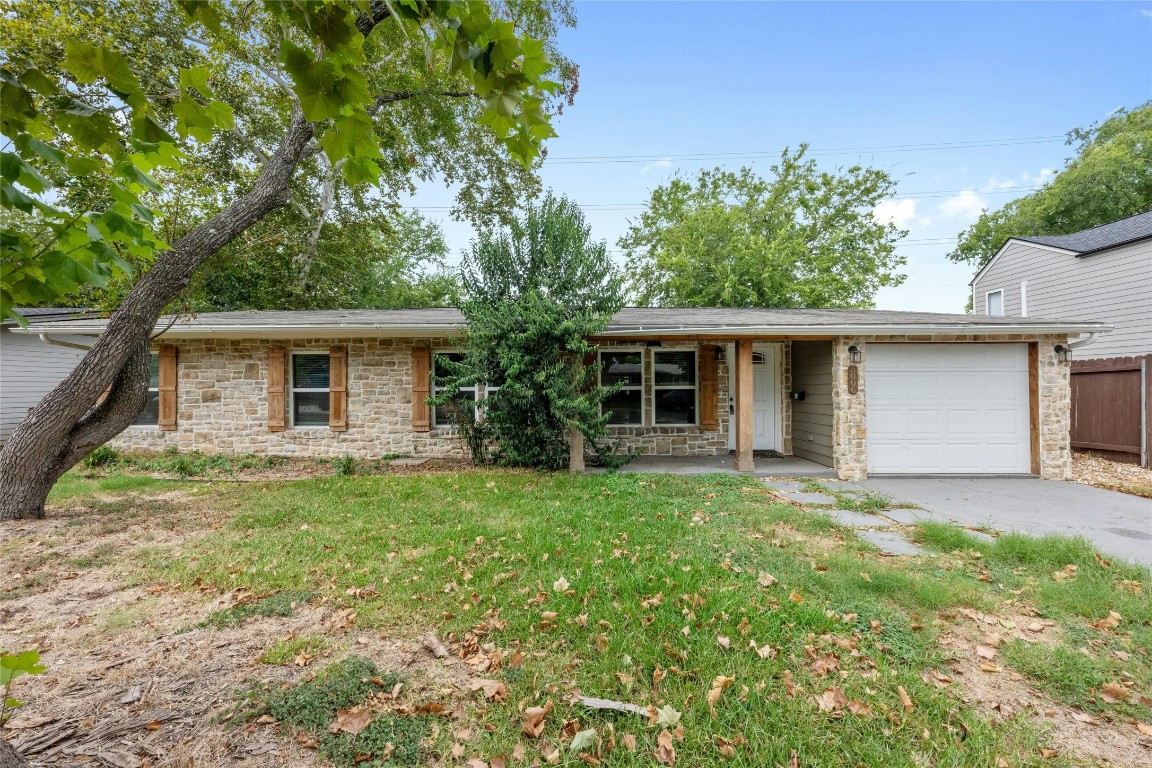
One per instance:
(223, 403)
(850, 428)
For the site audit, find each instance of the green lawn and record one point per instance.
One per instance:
(646, 589)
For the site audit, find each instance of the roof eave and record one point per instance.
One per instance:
(858, 329)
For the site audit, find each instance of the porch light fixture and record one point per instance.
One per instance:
(1063, 353)
(853, 354)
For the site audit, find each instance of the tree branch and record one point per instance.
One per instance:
(392, 97)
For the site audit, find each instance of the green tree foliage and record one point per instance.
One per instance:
(532, 296)
(1109, 178)
(362, 261)
(800, 238)
(132, 122)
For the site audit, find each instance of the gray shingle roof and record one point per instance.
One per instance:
(1131, 229)
(446, 321)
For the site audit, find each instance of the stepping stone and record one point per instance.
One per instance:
(787, 486)
(858, 519)
(907, 516)
(890, 543)
(807, 497)
(406, 462)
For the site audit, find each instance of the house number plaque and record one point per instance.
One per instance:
(853, 379)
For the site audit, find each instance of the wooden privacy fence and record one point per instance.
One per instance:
(1112, 407)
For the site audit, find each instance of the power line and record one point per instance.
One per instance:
(924, 194)
(757, 154)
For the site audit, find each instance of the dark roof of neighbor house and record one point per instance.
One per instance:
(38, 315)
(444, 321)
(1101, 238)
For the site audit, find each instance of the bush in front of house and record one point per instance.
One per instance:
(533, 295)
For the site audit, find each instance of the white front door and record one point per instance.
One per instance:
(947, 408)
(765, 373)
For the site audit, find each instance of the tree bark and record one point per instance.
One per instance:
(67, 424)
(9, 757)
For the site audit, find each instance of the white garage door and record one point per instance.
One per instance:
(947, 408)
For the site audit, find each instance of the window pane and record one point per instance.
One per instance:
(441, 370)
(626, 407)
(443, 414)
(996, 303)
(621, 368)
(675, 368)
(150, 416)
(310, 409)
(154, 377)
(310, 371)
(675, 406)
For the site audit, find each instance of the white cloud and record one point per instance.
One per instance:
(1043, 177)
(995, 183)
(898, 212)
(967, 206)
(661, 165)
(1147, 13)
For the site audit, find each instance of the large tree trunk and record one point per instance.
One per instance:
(9, 757)
(67, 424)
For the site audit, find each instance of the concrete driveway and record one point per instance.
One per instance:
(1119, 524)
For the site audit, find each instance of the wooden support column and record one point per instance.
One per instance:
(744, 406)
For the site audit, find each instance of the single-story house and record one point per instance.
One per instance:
(862, 391)
(29, 368)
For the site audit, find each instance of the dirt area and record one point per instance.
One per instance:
(973, 645)
(1102, 473)
(133, 680)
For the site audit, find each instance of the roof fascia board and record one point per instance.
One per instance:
(1009, 242)
(440, 331)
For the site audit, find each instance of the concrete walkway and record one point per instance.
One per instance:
(1119, 524)
(766, 466)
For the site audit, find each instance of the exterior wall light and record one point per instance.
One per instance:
(1063, 353)
(854, 354)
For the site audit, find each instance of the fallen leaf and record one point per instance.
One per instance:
(476, 762)
(584, 741)
(433, 644)
(724, 642)
(719, 685)
(831, 700)
(765, 579)
(493, 689)
(985, 651)
(628, 742)
(534, 720)
(560, 585)
(796, 597)
(1048, 754)
(1144, 728)
(1114, 693)
(904, 698)
(666, 716)
(789, 685)
(859, 708)
(352, 721)
(665, 754)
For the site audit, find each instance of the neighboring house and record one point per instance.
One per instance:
(29, 368)
(862, 391)
(1103, 273)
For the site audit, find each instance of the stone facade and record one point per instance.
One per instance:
(223, 400)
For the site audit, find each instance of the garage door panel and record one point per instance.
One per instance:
(948, 408)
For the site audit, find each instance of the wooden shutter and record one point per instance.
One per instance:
(421, 380)
(338, 389)
(168, 374)
(276, 407)
(709, 389)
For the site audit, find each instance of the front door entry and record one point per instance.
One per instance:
(765, 369)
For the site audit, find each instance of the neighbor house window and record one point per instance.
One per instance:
(310, 395)
(150, 416)
(442, 414)
(994, 303)
(624, 367)
(674, 386)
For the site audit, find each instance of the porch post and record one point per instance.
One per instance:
(744, 407)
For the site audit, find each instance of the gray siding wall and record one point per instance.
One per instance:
(29, 369)
(812, 416)
(1113, 286)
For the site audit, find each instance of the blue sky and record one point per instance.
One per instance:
(662, 79)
